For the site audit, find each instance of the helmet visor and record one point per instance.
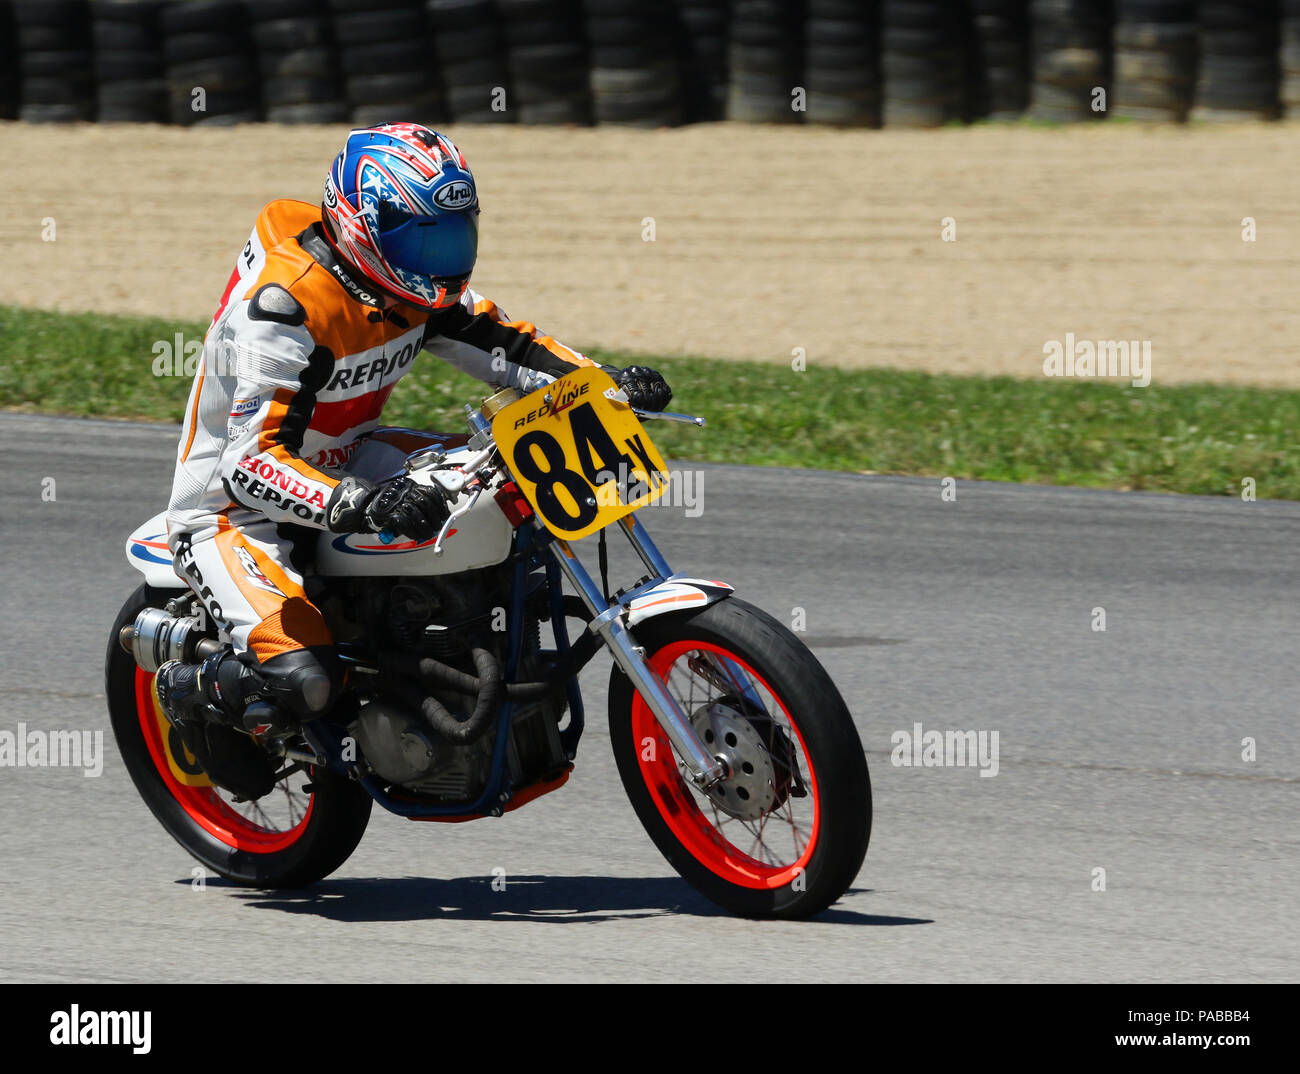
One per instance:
(442, 247)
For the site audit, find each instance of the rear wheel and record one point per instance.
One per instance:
(290, 837)
(786, 832)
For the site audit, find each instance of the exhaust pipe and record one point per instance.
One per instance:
(157, 636)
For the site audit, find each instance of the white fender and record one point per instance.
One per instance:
(147, 552)
(675, 594)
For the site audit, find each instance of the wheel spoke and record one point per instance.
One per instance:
(700, 678)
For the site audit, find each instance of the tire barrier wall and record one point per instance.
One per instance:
(648, 63)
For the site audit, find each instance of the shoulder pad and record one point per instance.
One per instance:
(271, 302)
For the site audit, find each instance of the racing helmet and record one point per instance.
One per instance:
(401, 206)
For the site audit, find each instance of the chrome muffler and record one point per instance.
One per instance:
(157, 636)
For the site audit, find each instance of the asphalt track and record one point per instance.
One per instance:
(1119, 750)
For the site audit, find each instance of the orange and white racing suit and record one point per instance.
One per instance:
(295, 371)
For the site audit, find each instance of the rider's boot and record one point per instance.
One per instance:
(206, 703)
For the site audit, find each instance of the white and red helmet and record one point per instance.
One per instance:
(403, 209)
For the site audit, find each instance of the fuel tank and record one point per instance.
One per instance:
(480, 538)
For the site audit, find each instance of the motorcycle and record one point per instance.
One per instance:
(734, 746)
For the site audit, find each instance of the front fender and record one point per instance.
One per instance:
(675, 594)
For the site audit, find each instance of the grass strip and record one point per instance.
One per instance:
(1197, 438)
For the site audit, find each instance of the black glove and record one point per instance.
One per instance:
(408, 508)
(346, 510)
(357, 506)
(646, 389)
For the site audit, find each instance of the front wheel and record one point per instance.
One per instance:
(293, 836)
(785, 834)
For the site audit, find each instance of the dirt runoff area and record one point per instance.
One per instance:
(764, 239)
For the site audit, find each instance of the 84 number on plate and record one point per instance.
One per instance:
(582, 460)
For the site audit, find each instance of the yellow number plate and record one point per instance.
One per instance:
(582, 460)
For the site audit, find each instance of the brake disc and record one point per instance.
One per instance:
(751, 789)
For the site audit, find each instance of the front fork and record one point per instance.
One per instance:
(609, 620)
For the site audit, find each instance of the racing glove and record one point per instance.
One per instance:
(400, 505)
(646, 389)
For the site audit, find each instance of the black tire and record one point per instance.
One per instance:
(119, 65)
(385, 56)
(59, 92)
(474, 73)
(219, 73)
(32, 112)
(426, 108)
(50, 25)
(124, 36)
(308, 62)
(286, 34)
(454, 15)
(200, 46)
(316, 113)
(296, 90)
(199, 16)
(376, 27)
(59, 64)
(481, 43)
(383, 88)
(339, 813)
(146, 98)
(834, 765)
(266, 10)
(473, 104)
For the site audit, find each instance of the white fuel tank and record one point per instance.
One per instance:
(479, 538)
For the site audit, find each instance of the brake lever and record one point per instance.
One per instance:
(668, 415)
(446, 526)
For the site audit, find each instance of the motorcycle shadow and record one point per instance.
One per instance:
(561, 899)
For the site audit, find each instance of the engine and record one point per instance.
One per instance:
(428, 720)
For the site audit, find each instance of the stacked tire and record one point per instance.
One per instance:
(1155, 60)
(8, 64)
(1289, 58)
(842, 62)
(702, 50)
(1071, 42)
(293, 42)
(211, 77)
(765, 56)
(634, 73)
(923, 60)
(1238, 76)
(387, 60)
(54, 61)
(998, 59)
(547, 54)
(471, 59)
(130, 76)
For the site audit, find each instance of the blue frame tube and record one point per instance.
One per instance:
(497, 790)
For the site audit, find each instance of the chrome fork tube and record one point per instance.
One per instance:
(702, 768)
(645, 548)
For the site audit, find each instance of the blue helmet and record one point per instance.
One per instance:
(404, 210)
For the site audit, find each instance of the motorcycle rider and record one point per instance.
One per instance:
(325, 311)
